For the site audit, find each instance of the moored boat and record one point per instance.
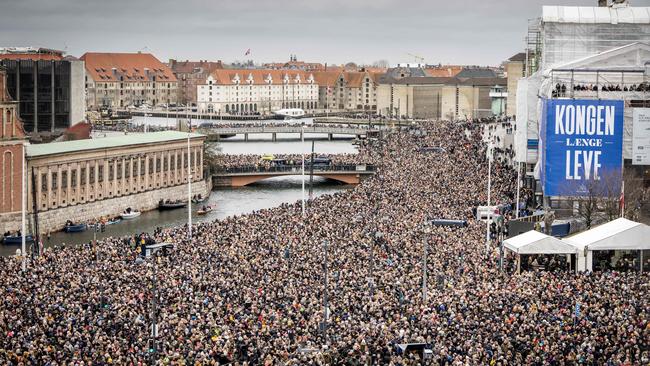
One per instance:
(74, 228)
(205, 210)
(170, 205)
(16, 240)
(130, 214)
(199, 199)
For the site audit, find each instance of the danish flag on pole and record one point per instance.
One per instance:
(248, 52)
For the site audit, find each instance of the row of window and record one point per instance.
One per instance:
(130, 170)
(134, 85)
(285, 82)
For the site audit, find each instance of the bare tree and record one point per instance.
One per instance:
(610, 186)
(635, 194)
(595, 198)
(381, 63)
(212, 157)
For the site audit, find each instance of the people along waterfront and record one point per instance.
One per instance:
(341, 285)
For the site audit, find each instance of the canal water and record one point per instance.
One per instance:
(227, 201)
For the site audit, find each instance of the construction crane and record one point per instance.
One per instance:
(418, 59)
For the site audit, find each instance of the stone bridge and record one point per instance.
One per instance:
(238, 177)
(215, 133)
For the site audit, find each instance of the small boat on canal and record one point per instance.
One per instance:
(16, 240)
(205, 210)
(71, 227)
(199, 199)
(170, 205)
(129, 214)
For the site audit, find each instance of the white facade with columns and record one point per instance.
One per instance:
(79, 172)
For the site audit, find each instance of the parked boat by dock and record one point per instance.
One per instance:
(129, 214)
(70, 227)
(16, 240)
(171, 205)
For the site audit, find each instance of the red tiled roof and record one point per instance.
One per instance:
(190, 66)
(353, 79)
(326, 78)
(79, 131)
(444, 71)
(259, 76)
(374, 70)
(129, 65)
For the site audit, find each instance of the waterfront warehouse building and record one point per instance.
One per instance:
(582, 53)
(83, 180)
(347, 90)
(190, 74)
(48, 87)
(120, 80)
(248, 92)
(12, 143)
(411, 93)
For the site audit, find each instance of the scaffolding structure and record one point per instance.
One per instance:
(533, 46)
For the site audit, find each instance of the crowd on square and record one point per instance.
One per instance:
(249, 289)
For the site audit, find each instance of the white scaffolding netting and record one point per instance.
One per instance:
(571, 33)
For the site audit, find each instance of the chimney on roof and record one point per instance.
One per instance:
(602, 3)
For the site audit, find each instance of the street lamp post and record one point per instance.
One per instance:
(189, 183)
(153, 335)
(23, 209)
(325, 305)
(302, 147)
(518, 189)
(501, 236)
(489, 189)
(154, 315)
(424, 271)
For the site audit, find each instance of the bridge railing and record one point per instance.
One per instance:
(361, 168)
(285, 129)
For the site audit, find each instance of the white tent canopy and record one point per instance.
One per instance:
(620, 234)
(534, 242)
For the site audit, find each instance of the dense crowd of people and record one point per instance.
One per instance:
(225, 162)
(250, 289)
(561, 89)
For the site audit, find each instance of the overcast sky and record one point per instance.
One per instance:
(483, 32)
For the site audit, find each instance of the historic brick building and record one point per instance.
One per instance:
(190, 74)
(12, 144)
(119, 80)
(347, 90)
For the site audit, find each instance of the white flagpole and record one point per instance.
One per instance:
(189, 183)
(489, 189)
(23, 204)
(518, 189)
(302, 138)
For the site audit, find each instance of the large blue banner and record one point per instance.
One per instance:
(582, 145)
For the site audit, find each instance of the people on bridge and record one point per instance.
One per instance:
(249, 289)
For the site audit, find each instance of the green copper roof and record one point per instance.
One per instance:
(106, 142)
